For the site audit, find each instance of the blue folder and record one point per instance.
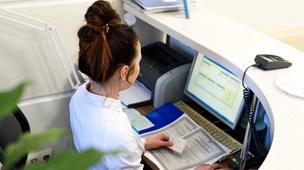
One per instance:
(162, 116)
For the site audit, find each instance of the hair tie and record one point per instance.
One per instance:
(106, 28)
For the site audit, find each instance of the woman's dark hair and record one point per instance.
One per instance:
(104, 43)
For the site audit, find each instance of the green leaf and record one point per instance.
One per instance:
(71, 160)
(9, 98)
(29, 142)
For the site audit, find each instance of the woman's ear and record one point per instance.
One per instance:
(124, 72)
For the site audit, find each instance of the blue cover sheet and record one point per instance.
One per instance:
(162, 116)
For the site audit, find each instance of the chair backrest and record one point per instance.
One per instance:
(11, 127)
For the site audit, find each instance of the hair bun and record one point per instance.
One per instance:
(101, 16)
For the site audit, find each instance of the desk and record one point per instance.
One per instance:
(234, 46)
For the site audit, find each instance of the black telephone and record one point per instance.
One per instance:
(267, 62)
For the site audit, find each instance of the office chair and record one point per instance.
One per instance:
(11, 127)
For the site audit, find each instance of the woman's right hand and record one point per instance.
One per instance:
(157, 141)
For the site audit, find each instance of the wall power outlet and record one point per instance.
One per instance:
(41, 156)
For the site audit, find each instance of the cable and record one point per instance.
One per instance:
(249, 110)
(253, 65)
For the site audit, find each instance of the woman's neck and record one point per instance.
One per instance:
(106, 90)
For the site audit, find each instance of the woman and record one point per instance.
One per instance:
(109, 54)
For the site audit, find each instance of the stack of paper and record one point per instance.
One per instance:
(155, 6)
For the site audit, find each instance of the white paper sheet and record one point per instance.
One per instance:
(179, 144)
(137, 93)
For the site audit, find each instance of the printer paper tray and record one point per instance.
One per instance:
(135, 96)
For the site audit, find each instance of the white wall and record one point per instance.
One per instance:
(280, 19)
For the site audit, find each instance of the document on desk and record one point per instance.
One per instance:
(136, 95)
(138, 121)
(200, 146)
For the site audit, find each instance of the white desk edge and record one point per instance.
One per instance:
(235, 46)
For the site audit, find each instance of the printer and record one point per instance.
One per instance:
(164, 72)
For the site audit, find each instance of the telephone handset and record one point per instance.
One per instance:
(267, 62)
